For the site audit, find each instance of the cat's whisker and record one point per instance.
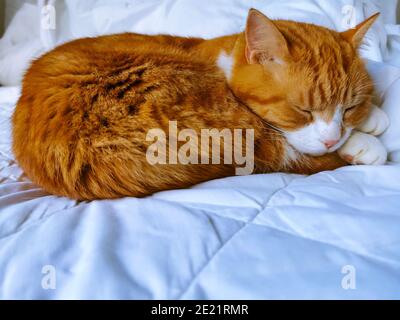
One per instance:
(275, 128)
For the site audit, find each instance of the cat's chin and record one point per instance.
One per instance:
(315, 148)
(322, 152)
(317, 154)
(314, 152)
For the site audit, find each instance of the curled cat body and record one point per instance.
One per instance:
(80, 128)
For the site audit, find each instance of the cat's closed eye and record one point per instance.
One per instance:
(303, 110)
(350, 108)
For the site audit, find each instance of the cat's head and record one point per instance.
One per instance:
(305, 80)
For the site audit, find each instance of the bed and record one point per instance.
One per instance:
(332, 235)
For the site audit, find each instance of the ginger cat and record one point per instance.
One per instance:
(80, 126)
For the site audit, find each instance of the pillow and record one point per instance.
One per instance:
(387, 86)
(20, 43)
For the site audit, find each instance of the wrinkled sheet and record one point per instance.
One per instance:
(333, 235)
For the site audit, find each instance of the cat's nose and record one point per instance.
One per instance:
(330, 143)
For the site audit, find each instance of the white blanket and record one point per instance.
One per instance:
(331, 235)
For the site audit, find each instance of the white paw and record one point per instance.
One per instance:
(363, 148)
(376, 123)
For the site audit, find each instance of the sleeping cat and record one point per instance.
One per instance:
(80, 126)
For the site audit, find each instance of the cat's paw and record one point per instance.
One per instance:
(363, 148)
(376, 123)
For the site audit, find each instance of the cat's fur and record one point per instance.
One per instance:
(79, 129)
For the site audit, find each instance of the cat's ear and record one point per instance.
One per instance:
(264, 42)
(357, 34)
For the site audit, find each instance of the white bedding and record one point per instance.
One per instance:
(262, 236)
